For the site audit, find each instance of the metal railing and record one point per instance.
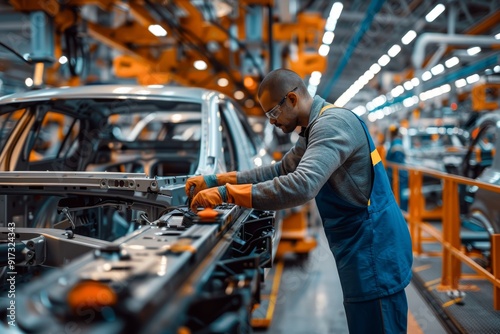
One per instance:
(419, 217)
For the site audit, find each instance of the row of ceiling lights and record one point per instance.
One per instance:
(414, 82)
(385, 59)
(328, 36)
(410, 84)
(411, 101)
(324, 49)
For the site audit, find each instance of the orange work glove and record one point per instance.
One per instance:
(198, 183)
(207, 198)
(239, 194)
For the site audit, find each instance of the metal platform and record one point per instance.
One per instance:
(309, 299)
(467, 310)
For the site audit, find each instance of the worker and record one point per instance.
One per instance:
(396, 154)
(334, 161)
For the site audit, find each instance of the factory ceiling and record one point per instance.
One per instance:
(229, 45)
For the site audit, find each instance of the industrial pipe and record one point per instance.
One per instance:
(418, 55)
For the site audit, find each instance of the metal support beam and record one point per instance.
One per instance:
(251, 61)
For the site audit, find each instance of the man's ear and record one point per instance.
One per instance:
(294, 98)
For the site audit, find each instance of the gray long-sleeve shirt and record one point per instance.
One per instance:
(336, 151)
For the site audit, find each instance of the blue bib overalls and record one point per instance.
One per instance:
(372, 249)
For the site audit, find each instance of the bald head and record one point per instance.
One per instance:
(278, 89)
(279, 82)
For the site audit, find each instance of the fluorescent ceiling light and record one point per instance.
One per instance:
(408, 85)
(426, 76)
(239, 95)
(328, 37)
(384, 60)
(379, 100)
(408, 102)
(359, 110)
(223, 82)
(341, 101)
(314, 80)
(63, 60)
(445, 88)
(331, 23)
(408, 37)
(157, 30)
(355, 87)
(435, 12)
(375, 68)
(312, 90)
(336, 10)
(473, 51)
(460, 83)
(348, 94)
(372, 117)
(398, 90)
(368, 74)
(323, 50)
(250, 104)
(363, 81)
(439, 68)
(497, 36)
(316, 74)
(451, 62)
(394, 50)
(415, 82)
(200, 65)
(370, 106)
(472, 78)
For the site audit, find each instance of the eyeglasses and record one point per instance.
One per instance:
(275, 112)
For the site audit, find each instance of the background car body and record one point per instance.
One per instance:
(483, 164)
(439, 148)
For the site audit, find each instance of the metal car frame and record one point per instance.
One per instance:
(87, 140)
(160, 278)
(220, 260)
(483, 205)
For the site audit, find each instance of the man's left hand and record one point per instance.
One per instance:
(208, 198)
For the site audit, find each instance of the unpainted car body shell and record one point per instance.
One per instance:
(211, 157)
